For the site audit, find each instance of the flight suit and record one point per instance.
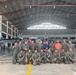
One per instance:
(65, 46)
(20, 58)
(25, 47)
(71, 46)
(20, 47)
(38, 46)
(49, 57)
(15, 52)
(56, 57)
(52, 48)
(32, 47)
(43, 57)
(63, 57)
(36, 59)
(28, 57)
(70, 57)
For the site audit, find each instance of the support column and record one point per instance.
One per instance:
(75, 33)
(0, 26)
(17, 32)
(12, 30)
(7, 31)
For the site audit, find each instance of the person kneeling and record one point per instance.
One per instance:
(43, 57)
(29, 57)
(56, 57)
(71, 56)
(20, 57)
(63, 56)
(49, 56)
(36, 58)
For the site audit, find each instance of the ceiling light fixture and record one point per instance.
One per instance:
(30, 7)
(44, 26)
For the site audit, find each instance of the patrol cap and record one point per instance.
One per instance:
(21, 50)
(16, 41)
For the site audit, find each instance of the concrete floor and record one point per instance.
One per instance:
(43, 69)
(7, 68)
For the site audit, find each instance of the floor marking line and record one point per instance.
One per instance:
(29, 69)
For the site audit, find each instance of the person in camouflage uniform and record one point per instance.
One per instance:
(15, 52)
(49, 56)
(56, 57)
(36, 57)
(20, 57)
(38, 45)
(20, 45)
(43, 57)
(70, 56)
(28, 57)
(52, 47)
(70, 45)
(32, 46)
(63, 56)
(65, 45)
(25, 47)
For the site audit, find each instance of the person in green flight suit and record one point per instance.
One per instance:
(15, 52)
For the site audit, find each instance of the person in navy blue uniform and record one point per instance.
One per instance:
(46, 46)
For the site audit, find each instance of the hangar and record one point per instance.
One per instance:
(38, 19)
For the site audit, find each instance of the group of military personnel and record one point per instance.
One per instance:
(36, 52)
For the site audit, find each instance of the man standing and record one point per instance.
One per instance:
(38, 45)
(15, 52)
(46, 46)
(32, 46)
(70, 45)
(64, 45)
(52, 47)
(20, 45)
(25, 47)
(58, 46)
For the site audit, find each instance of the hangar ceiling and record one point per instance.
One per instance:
(25, 13)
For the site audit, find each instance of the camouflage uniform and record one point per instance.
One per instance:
(52, 48)
(70, 57)
(32, 47)
(43, 57)
(20, 47)
(49, 57)
(38, 46)
(65, 46)
(25, 47)
(29, 57)
(63, 57)
(36, 59)
(20, 58)
(56, 57)
(15, 52)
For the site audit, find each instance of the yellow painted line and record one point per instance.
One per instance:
(29, 69)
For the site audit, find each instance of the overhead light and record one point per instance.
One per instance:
(49, 15)
(12, 15)
(67, 15)
(46, 26)
(5, 6)
(30, 7)
(54, 7)
(31, 15)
